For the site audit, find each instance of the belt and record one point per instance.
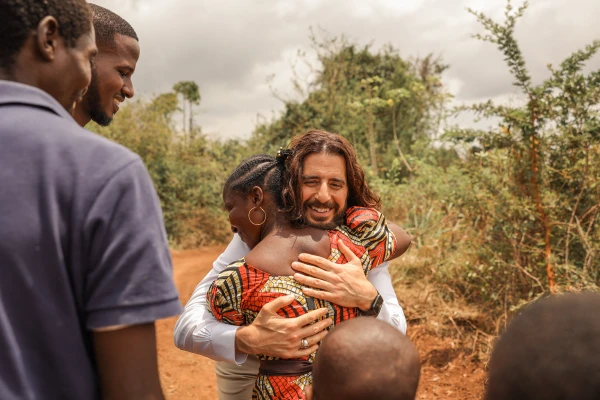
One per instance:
(284, 367)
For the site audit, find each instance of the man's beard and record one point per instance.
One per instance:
(95, 104)
(338, 216)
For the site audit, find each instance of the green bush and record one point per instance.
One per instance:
(188, 169)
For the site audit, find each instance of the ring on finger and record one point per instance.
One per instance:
(304, 344)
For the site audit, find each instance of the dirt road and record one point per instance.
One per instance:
(448, 371)
(186, 376)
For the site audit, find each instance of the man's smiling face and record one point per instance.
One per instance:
(111, 79)
(324, 190)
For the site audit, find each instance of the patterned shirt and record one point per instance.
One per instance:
(241, 290)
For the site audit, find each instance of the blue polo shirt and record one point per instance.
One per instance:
(82, 246)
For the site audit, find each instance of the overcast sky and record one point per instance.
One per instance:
(230, 48)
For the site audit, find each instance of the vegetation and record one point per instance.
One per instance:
(188, 169)
(387, 107)
(535, 178)
(512, 218)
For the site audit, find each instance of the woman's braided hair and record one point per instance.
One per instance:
(260, 170)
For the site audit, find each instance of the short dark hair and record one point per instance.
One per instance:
(107, 24)
(318, 141)
(364, 359)
(260, 170)
(550, 351)
(19, 17)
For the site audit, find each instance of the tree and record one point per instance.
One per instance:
(352, 93)
(179, 167)
(190, 94)
(549, 147)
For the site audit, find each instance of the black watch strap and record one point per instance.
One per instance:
(375, 307)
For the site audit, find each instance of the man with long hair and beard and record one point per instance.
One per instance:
(318, 190)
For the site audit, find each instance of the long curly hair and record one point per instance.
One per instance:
(318, 141)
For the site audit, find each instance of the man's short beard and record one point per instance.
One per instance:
(94, 103)
(328, 225)
(337, 220)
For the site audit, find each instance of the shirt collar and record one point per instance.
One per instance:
(19, 93)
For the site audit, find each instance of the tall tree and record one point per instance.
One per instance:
(190, 93)
(348, 94)
(550, 149)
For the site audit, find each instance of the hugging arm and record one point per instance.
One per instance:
(197, 330)
(403, 240)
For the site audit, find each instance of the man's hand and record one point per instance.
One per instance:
(343, 284)
(276, 336)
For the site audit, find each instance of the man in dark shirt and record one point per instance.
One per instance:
(84, 261)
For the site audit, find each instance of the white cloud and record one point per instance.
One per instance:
(231, 47)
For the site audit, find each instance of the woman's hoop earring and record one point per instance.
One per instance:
(250, 219)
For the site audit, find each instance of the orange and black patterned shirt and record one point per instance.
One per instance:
(241, 290)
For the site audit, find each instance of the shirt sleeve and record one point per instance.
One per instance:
(224, 297)
(197, 330)
(391, 310)
(375, 235)
(130, 276)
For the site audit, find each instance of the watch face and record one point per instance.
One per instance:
(375, 307)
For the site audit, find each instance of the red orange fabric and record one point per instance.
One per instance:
(241, 291)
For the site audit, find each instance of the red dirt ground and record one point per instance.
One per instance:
(448, 371)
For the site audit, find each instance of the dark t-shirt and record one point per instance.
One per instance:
(82, 246)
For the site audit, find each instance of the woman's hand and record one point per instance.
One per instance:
(343, 284)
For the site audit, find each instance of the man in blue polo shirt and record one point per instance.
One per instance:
(84, 263)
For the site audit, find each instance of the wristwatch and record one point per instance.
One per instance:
(375, 307)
